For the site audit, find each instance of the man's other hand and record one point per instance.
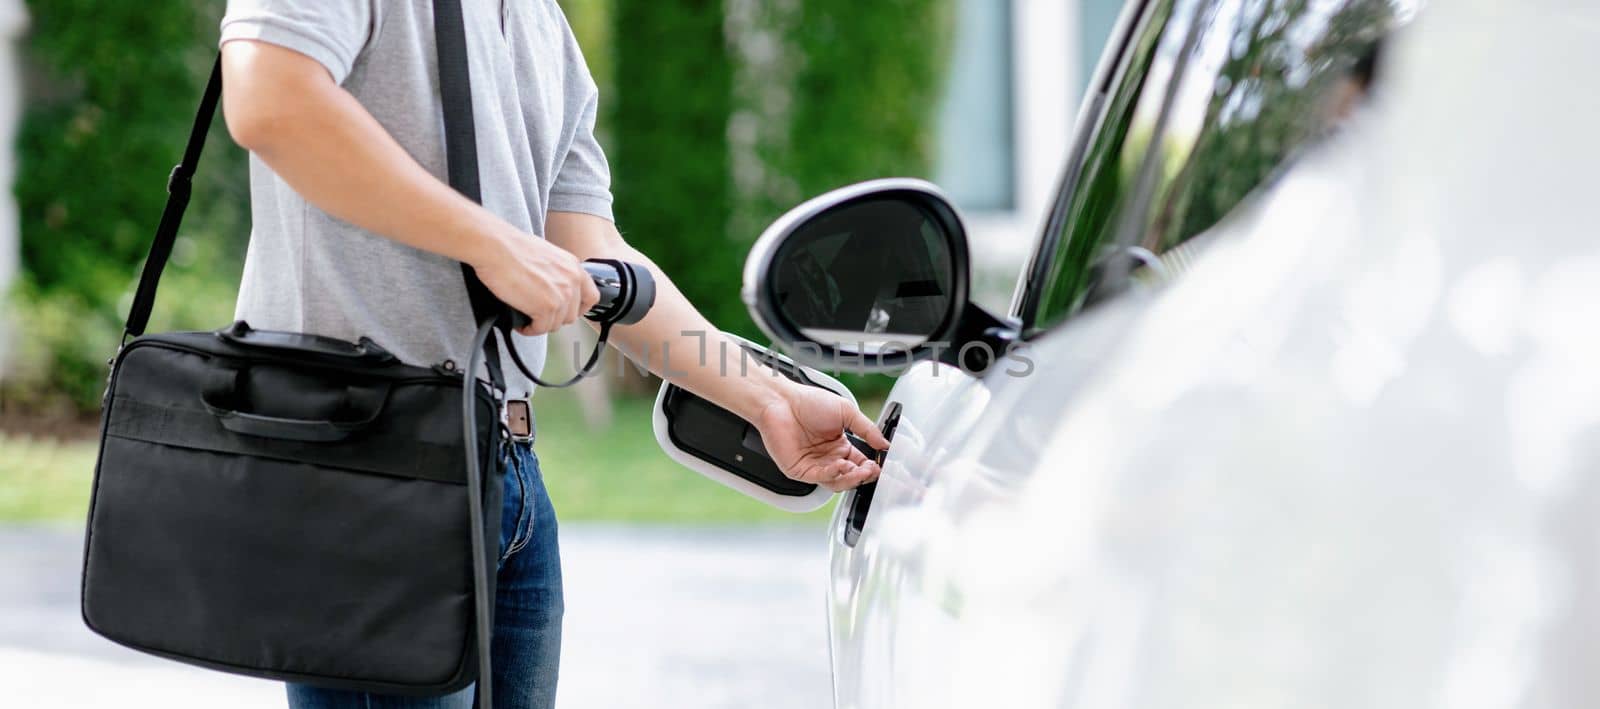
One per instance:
(539, 279)
(803, 430)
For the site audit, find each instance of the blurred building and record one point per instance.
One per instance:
(1017, 75)
(13, 21)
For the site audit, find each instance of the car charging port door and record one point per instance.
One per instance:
(861, 502)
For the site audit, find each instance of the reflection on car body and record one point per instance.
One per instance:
(1243, 88)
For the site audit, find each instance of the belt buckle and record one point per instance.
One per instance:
(519, 420)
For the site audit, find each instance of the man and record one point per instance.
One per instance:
(356, 234)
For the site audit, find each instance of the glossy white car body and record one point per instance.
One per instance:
(1351, 459)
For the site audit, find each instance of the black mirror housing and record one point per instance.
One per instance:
(869, 278)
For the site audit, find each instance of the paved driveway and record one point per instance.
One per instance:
(655, 618)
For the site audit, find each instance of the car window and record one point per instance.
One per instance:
(1211, 99)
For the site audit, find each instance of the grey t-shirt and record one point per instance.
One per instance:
(534, 105)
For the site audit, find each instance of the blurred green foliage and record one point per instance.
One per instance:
(727, 114)
(110, 89)
(866, 92)
(591, 24)
(669, 146)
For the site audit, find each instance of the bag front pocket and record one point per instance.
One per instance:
(278, 565)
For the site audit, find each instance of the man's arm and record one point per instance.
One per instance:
(285, 107)
(802, 426)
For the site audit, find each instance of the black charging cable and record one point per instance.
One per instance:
(480, 560)
(584, 371)
(627, 291)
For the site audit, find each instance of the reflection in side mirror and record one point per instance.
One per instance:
(870, 277)
(873, 274)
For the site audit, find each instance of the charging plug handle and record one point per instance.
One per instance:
(627, 292)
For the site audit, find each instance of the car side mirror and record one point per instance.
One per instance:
(870, 278)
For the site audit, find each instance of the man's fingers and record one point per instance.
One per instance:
(865, 474)
(838, 473)
(572, 312)
(800, 472)
(541, 323)
(870, 471)
(582, 288)
(862, 426)
(820, 473)
(854, 456)
(566, 307)
(588, 294)
(861, 475)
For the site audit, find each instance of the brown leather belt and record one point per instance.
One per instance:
(518, 416)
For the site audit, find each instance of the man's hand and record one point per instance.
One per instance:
(540, 280)
(803, 430)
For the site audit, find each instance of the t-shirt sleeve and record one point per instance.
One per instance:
(333, 32)
(583, 182)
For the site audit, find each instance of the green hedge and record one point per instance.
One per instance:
(110, 88)
(867, 91)
(669, 152)
(848, 91)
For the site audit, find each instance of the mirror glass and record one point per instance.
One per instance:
(870, 276)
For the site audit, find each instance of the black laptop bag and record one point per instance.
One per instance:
(298, 507)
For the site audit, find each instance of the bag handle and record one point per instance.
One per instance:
(363, 351)
(224, 388)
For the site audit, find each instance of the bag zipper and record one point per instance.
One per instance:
(446, 371)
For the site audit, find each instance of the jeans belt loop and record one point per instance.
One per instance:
(518, 417)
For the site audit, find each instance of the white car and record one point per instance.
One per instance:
(1348, 458)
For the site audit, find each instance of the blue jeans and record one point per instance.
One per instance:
(527, 611)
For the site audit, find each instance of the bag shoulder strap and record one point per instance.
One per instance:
(461, 164)
(460, 136)
(179, 185)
